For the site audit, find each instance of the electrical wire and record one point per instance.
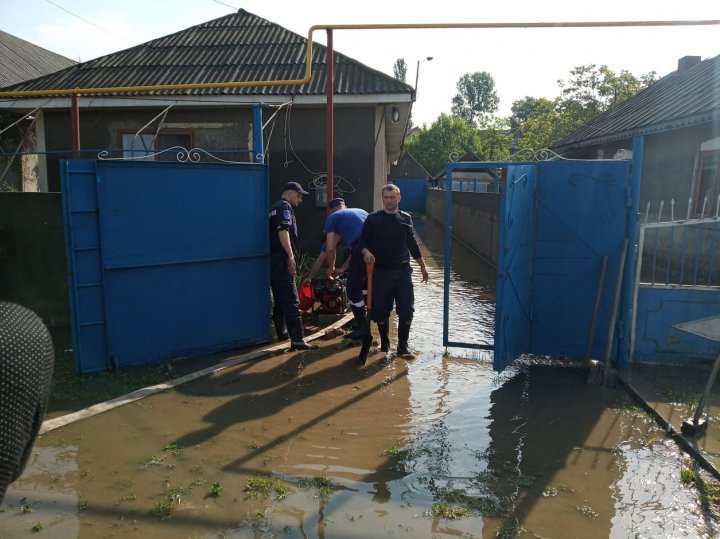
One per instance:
(89, 22)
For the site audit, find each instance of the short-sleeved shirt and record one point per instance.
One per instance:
(346, 223)
(282, 217)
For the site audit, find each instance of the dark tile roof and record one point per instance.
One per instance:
(680, 99)
(237, 47)
(20, 60)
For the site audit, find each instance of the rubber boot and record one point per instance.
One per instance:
(297, 336)
(384, 329)
(361, 323)
(403, 349)
(279, 323)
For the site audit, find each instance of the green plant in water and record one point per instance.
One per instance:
(322, 485)
(450, 512)
(265, 487)
(163, 509)
(38, 527)
(173, 448)
(216, 490)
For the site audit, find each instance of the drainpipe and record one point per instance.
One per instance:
(330, 118)
(75, 120)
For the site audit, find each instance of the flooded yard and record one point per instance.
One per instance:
(314, 445)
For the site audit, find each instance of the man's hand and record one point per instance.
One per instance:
(368, 256)
(425, 275)
(291, 265)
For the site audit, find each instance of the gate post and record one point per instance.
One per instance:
(258, 147)
(627, 319)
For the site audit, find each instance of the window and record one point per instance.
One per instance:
(708, 183)
(143, 146)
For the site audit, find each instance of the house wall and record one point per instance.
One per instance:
(295, 151)
(475, 219)
(668, 165)
(32, 255)
(354, 163)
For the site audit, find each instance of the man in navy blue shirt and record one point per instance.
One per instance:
(283, 250)
(388, 239)
(343, 227)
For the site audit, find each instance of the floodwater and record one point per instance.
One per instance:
(314, 446)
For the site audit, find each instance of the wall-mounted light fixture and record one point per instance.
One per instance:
(395, 116)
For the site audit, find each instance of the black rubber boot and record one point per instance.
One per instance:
(403, 349)
(383, 329)
(279, 323)
(297, 336)
(361, 324)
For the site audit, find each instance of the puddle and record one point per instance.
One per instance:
(435, 447)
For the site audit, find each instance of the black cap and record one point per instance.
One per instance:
(335, 202)
(295, 186)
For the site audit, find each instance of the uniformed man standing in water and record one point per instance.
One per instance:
(283, 250)
(388, 239)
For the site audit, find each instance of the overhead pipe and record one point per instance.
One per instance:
(330, 119)
(308, 55)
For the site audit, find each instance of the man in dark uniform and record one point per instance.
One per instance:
(26, 367)
(343, 227)
(283, 250)
(388, 239)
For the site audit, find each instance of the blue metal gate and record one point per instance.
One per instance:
(413, 192)
(165, 259)
(559, 219)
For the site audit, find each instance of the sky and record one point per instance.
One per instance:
(523, 62)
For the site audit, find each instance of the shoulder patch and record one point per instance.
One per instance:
(287, 216)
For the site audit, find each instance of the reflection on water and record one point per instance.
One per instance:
(312, 445)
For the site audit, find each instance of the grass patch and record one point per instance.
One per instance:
(688, 476)
(265, 487)
(216, 490)
(323, 486)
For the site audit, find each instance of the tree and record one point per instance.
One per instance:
(448, 135)
(476, 97)
(400, 69)
(538, 123)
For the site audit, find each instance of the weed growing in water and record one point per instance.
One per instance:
(264, 487)
(38, 527)
(163, 509)
(322, 485)
(450, 512)
(173, 448)
(216, 490)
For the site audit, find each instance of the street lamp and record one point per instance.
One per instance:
(417, 71)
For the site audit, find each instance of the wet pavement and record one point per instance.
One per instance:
(314, 445)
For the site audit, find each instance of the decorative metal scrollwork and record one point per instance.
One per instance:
(183, 155)
(528, 154)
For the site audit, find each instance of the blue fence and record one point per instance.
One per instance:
(165, 259)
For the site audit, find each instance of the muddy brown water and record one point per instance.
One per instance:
(439, 446)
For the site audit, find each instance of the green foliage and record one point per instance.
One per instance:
(216, 490)
(538, 123)
(257, 487)
(400, 69)
(432, 147)
(476, 97)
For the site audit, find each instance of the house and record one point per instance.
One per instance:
(371, 110)
(21, 61)
(679, 118)
(477, 181)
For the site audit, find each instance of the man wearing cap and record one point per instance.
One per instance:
(283, 250)
(343, 227)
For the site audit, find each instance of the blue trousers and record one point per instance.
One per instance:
(393, 286)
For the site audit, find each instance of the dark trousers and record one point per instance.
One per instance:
(286, 303)
(356, 276)
(393, 286)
